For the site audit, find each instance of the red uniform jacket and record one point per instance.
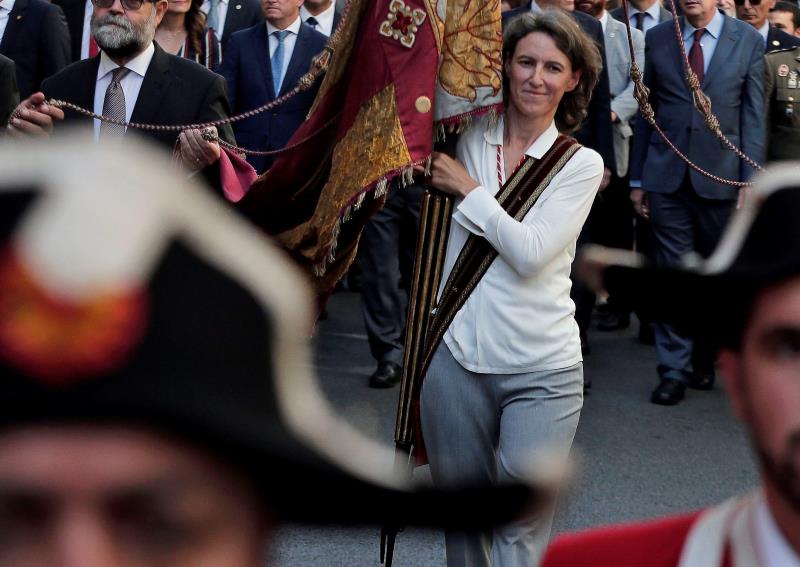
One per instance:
(656, 543)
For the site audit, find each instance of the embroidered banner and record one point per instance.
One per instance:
(399, 66)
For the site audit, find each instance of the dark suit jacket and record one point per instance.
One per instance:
(174, 91)
(37, 40)
(241, 14)
(734, 82)
(778, 40)
(74, 11)
(596, 132)
(619, 14)
(9, 94)
(248, 73)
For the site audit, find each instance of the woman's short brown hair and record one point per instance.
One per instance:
(580, 49)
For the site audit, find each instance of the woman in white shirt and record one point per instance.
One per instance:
(505, 386)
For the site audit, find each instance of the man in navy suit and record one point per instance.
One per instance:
(227, 17)
(264, 62)
(756, 13)
(689, 211)
(35, 36)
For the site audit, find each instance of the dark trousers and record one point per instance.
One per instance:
(386, 259)
(683, 224)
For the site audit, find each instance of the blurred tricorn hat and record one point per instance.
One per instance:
(710, 298)
(129, 295)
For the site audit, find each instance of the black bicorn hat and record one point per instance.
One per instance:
(711, 298)
(129, 295)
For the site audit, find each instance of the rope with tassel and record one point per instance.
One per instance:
(319, 64)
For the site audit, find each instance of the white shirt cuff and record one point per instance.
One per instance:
(475, 210)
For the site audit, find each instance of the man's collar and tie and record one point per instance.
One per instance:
(118, 101)
(701, 43)
(645, 20)
(281, 47)
(322, 22)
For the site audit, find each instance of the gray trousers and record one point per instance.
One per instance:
(490, 428)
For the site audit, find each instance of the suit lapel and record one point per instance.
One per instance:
(155, 85)
(16, 19)
(86, 84)
(300, 56)
(232, 17)
(263, 66)
(677, 56)
(727, 39)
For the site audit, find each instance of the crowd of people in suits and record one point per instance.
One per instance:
(67, 49)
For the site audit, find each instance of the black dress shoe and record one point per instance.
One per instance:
(614, 322)
(702, 380)
(387, 375)
(668, 393)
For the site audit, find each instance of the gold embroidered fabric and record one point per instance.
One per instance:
(472, 48)
(373, 147)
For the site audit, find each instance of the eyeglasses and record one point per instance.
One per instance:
(131, 5)
(752, 2)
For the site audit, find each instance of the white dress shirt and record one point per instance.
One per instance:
(87, 28)
(288, 43)
(773, 547)
(651, 16)
(764, 31)
(324, 18)
(131, 83)
(604, 20)
(222, 13)
(5, 11)
(520, 317)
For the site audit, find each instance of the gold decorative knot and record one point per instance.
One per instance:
(402, 23)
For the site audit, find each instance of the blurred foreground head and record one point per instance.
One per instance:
(745, 299)
(157, 405)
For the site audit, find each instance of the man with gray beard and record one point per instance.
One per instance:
(132, 79)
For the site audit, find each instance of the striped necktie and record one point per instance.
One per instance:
(114, 105)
